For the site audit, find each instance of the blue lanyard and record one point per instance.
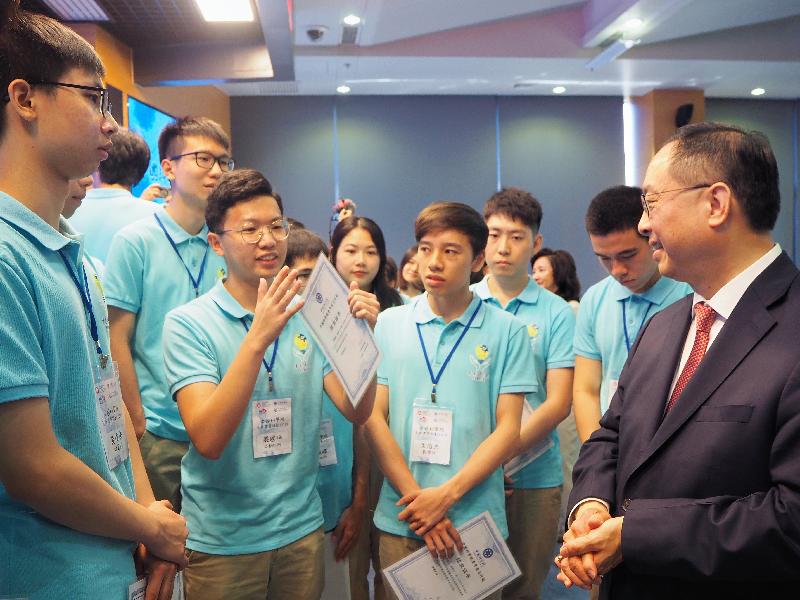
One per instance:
(435, 378)
(267, 365)
(86, 298)
(625, 322)
(195, 282)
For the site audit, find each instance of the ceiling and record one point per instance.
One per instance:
(510, 47)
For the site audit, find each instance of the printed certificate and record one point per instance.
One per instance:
(485, 566)
(347, 342)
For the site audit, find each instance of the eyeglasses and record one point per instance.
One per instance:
(278, 229)
(206, 161)
(101, 101)
(647, 205)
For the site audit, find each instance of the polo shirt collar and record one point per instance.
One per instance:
(424, 314)
(655, 295)
(24, 219)
(529, 295)
(223, 298)
(176, 232)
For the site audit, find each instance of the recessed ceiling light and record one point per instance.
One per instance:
(758, 92)
(343, 89)
(352, 20)
(632, 24)
(230, 10)
(559, 89)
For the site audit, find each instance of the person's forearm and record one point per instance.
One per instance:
(586, 408)
(365, 405)
(129, 383)
(212, 420)
(539, 425)
(390, 457)
(361, 461)
(491, 453)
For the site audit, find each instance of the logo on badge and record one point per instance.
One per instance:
(480, 364)
(302, 352)
(318, 297)
(488, 553)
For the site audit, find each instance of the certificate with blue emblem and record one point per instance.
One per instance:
(484, 566)
(347, 342)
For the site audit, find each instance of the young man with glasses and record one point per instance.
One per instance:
(74, 498)
(614, 310)
(249, 380)
(154, 265)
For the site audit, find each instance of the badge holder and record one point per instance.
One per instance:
(110, 412)
(431, 433)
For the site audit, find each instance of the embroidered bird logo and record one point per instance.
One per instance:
(533, 330)
(482, 352)
(301, 342)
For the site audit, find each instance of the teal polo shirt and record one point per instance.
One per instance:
(550, 323)
(144, 275)
(600, 332)
(238, 504)
(335, 482)
(494, 358)
(46, 350)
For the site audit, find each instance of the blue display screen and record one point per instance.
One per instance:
(148, 122)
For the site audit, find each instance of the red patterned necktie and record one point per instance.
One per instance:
(704, 318)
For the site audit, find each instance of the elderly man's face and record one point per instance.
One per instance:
(675, 225)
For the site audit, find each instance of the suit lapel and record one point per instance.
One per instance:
(747, 325)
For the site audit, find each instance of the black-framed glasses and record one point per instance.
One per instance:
(278, 229)
(650, 199)
(102, 101)
(206, 160)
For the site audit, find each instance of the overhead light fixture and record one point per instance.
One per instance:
(343, 89)
(352, 20)
(633, 25)
(611, 52)
(758, 92)
(77, 10)
(228, 11)
(559, 89)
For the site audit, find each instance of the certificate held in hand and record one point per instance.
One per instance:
(485, 566)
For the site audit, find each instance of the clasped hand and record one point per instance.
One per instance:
(426, 513)
(592, 547)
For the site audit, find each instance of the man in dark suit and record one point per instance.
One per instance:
(691, 487)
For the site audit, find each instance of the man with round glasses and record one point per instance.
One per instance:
(155, 264)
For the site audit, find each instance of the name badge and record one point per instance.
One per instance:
(110, 416)
(327, 446)
(272, 427)
(431, 435)
(137, 589)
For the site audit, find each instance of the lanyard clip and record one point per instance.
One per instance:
(271, 385)
(433, 394)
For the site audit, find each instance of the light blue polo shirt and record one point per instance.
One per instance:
(601, 334)
(335, 483)
(103, 212)
(145, 276)
(493, 358)
(238, 504)
(550, 323)
(46, 350)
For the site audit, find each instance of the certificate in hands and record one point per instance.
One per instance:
(347, 342)
(485, 566)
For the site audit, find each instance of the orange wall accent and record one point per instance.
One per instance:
(180, 101)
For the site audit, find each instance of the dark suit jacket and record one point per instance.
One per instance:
(711, 494)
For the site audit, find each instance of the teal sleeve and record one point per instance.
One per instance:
(519, 369)
(23, 373)
(560, 354)
(124, 274)
(188, 357)
(585, 343)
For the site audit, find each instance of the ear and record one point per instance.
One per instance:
(719, 204)
(168, 169)
(477, 262)
(22, 99)
(216, 243)
(538, 240)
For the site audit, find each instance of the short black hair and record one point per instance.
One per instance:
(517, 204)
(304, 244)
(565, 274)
(190, 126)
(617, 208)
(36, 48)
(293, 222)
(234, 188)
(453, 215)
(711, 152)
(127, 160)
